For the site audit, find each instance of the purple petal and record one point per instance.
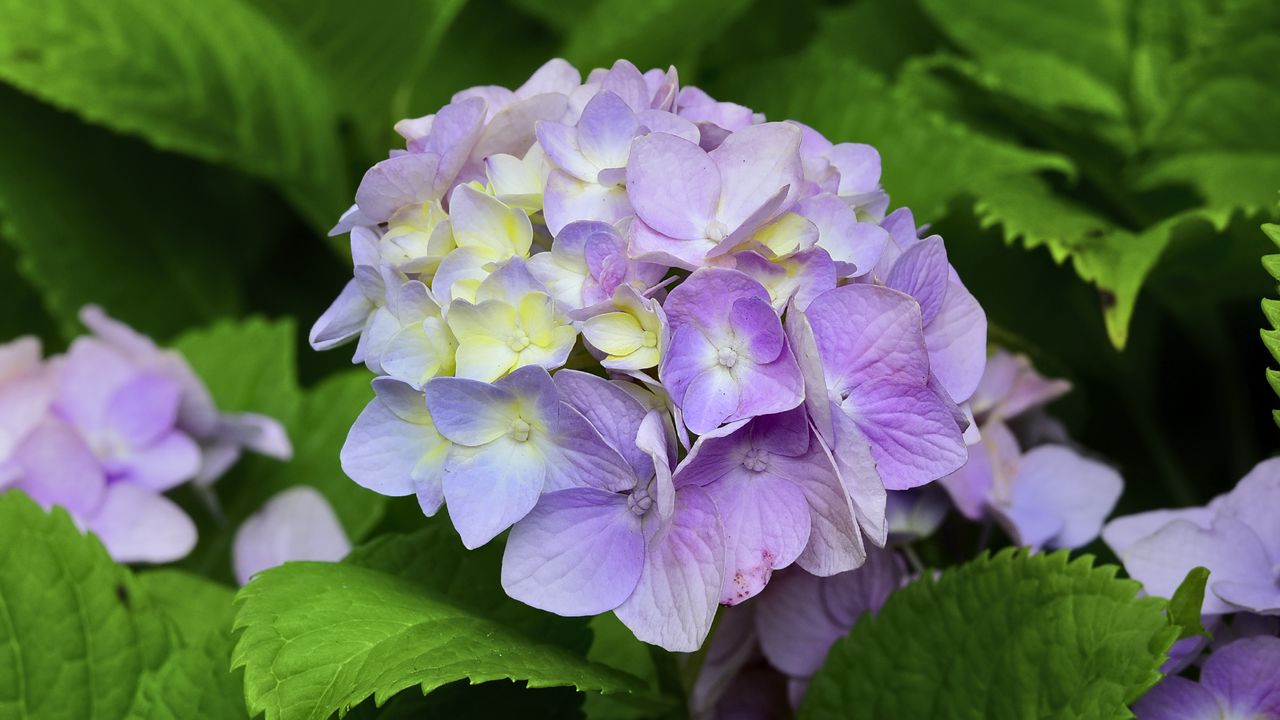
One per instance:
(1077, 492)
(922, 271)
(580, 457)
(605, 131)
(1243, 674)
(140, 525)
(913, 433)
(865, 332)
(675, 600)
(578, 552)
(995, 456)
(712, 398)
(567, 200)
(454, 132)
(58, 468)
(511, 131)
(855, 465)
(660, 121)
(1123, 532)
(1255, 500)
(706, 298)
(756, 325)
(625, 82)
(297, 524)
(859, 167)
(612, 411)
(144, 408)
(755, 163)
(470, 412)
(560, 142)
(343, 320)
(397, 182)
(491, 487)
(169, 461)
(383, 448)
(766, 527)
(957, 342)
(849, 242)
(554, 76)
(1177, 698)
(673, 185)
(1230, 550)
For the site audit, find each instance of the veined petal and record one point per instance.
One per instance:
(491, 487)
(482, 221)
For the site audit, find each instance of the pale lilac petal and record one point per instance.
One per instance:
(58, 468)
(805, 348)
(673, 185)
(554, 76)
(578, 456)
(995, 456)
(757, 326)
(859, 167)
(913, 432)
(605, 131)
(491, 487)
(397, 182)
(922, 271)
(645, 243)
(260, 433)
(853, 245)
(731, 647)
(382, 449)
(957, 340)
(1244, 675)
(144, 408)
(343, 320)
(689, 355)
(712, 398)
(864, 332)
(1230, 550)
(675, 601)
(1123, 532)
(511, 131)
(454, 132)
(835, 541)
(560, 142)
(1256, 501)
(770, 388)
(140, 525)
(88, 378)
(297, 524)
(625, 82)
(470, 412)
(612, 411)
(568, 199)
(855, 464)
(1177, 698)
(766, 527)
(1077, 492)
(167, 462)
(706, 298)
(578, 552)
(755, 163)
(660, 121)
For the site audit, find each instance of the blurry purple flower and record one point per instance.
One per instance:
(297, 524)
(1236, 536)
(1238, 681)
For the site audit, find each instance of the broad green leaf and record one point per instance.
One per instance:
(368, 53)
(150, 249)
(214, 79)
(197, 607)
(1184, 606)
(1271, 308)
(928, 160)
(76, 631)
(435, 559)
(657, 33)
(1014, 635)
(196, 681)
(1114, 259)
(318, 638)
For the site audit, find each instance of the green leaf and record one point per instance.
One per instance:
(928, 160)
(1116, 260)
(1271, 308)
(435, 559)
(197, 607)
(1014, 635)
(319, 638)
(76, 632)
(657, 33)
(214, 79)
(248, 365)
(83, 235)
(1184, 606)
(368, 61)
(196, 681)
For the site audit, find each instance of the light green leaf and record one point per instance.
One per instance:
(927, 158)
(369, 54)
(318, 638)
(196, 681)
(196, 607)
(1117, 261)
(657, 33)
(1184, 606)
(1015, 635)
(209, 78)
(1271, 308)
(151, 252)
(76, 632)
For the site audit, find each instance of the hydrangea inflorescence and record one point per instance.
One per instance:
(105, 429)
(763, 351)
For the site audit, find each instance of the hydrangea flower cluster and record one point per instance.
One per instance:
(106, 429)
(671, 346)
